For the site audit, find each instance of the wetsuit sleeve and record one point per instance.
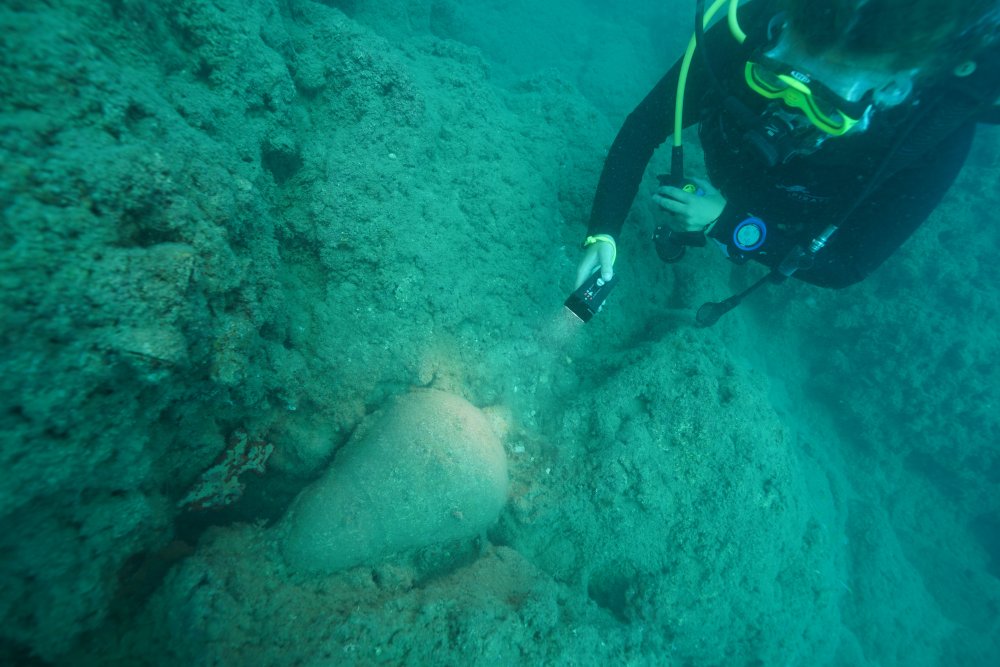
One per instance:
(645, 129)
(889, 216)
(652, 122)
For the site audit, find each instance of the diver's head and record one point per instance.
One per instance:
(901, 35)
(830, 64)
(813, 98)
(835, 92)
(873, 50)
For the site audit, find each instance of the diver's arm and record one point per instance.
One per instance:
(645, 129)
(651, 123)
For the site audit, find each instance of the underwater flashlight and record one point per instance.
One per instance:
(588, 297)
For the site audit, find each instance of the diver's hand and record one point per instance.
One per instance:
(599, 254)
(690, 212)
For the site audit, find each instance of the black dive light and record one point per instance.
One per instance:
(588, 297)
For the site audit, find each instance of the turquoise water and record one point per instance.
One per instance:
(238, 236)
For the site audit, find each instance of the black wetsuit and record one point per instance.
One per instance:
(912, 153)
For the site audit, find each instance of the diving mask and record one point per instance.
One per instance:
(825, 109)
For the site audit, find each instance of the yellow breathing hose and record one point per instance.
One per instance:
(734, 27)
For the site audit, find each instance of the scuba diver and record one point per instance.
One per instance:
(831, 130)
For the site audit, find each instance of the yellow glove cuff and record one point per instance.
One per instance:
(607, 238)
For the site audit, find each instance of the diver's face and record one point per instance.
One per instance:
(850, 77)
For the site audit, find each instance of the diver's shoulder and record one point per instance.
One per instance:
(975, 79)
